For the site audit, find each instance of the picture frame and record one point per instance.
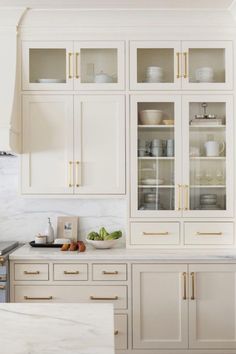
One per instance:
(67, 227)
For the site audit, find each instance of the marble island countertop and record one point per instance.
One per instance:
(56, 329)
(26, 252)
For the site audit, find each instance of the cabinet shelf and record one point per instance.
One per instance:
(222, 126)
(208, 158)
(141, 126)
(156, 158)
(209, 186)
(155, 186)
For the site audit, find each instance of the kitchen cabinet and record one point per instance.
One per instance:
(175, 65)
(160, 306)
(73, 149)
(72, 65)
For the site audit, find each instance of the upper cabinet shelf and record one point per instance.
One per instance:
(175, 65)
(92, 65)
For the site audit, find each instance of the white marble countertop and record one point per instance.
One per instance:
(56, 329)
(123, 254)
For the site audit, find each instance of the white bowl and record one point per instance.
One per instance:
(102, 244)
(150, 117)
(204, 74)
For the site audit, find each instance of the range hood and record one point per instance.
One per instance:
(9, 119)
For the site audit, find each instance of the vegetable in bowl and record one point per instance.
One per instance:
(103, 235)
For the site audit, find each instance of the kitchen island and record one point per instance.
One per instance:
(56, 329)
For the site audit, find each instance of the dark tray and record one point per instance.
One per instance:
(44, 245)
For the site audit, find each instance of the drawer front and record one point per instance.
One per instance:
(121, 332)
(109, 272)
(72, 293)
(209, 233)
(70, 271)
(36, 271)
(155, 233)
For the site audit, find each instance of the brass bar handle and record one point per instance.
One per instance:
(193, 285)
(77, 174)
(116, 332)
(179, 196)
(70, 174)
(72, 272)
(69, 63)
(209, 233)
(31, 273)
(77, 65)
(38, 298)
(186, 197)
(2, 287)
(156, 233)
(185, 65)
(185, 286)
(110, 273)
(178, 65)
(103, 298)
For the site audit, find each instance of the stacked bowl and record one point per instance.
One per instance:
(154, 74)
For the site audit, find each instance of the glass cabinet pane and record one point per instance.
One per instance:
(156, 156)
(207, 155)
(47, 65)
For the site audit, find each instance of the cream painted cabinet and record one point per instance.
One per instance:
(47, 144)
(212, 306)
(160, 306)
(99, 144)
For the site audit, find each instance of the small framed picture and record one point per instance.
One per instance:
(67, 227)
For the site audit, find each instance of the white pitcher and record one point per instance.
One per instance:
(214, 148)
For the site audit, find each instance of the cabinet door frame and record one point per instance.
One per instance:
(208, 44)
(78, 147)
(138, 341)
(119, 45)
(135, 212)
(26, 185)
(135, 85)
(27, 85)
(229, 134)
(194, 342)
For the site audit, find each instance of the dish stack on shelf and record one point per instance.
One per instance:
(209, 202)
(154, 74)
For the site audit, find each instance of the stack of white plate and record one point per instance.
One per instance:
(154, 74)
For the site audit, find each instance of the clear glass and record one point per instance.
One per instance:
(207, 65)
(99, 65)
(207, 154)
(155, 65)
(156, 156)
(47, 65)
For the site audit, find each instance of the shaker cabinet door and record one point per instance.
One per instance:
(47, 144)
(99, 144)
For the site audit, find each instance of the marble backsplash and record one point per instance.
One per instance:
(22, 217)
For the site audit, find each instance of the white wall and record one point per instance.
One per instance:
(21, 218)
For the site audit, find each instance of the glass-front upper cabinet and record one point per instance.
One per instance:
(155, 65)
(155, 156)
(207, 65)
(89, 65)
(207, 188)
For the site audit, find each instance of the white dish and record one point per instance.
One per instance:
(102, 244)
(62, 241)
(50, 81)
(150, 116)
(152, 181)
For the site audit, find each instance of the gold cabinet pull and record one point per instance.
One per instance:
(209, 233)
(69, 63)
(31, 273)
(77, 174)
(2, 260)
(165, 233)
(178, 65)
(70, 174)
(103, 298)
(185, 286)
(186, 197)
(72, 272)
(179, 196)
(2, 287)
(110, 273)
(185, 65)
(38, 298)
(193, 285)
(77, 65)
(116, 332)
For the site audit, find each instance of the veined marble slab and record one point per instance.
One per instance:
(56, 329)
(123, 254)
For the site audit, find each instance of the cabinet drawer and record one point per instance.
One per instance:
(70, 271)
(72, 293)
(121, 332)
(209, 233)
(109, 272)
(155, 233)
(36, 271)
